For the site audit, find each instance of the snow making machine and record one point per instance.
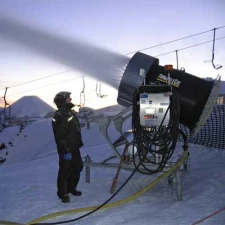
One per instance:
(158, 100)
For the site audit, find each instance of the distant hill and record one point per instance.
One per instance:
(30, 106)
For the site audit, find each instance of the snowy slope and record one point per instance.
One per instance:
(28, 184)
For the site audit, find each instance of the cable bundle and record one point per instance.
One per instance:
(155, 144)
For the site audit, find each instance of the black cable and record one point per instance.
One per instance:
(44, 86)
(179, 39)
(191, 46)
(41, 78)
(163, 137)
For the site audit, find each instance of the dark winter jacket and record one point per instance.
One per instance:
(66, 128)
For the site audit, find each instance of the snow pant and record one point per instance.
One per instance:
(69, 173)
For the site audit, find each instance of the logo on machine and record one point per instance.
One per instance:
(164, 79)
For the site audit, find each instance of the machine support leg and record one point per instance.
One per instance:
(187, 164)
(170, 179)
(87, 168)
(178, 185)
(114, 183)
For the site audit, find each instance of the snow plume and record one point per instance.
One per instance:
(102, 64)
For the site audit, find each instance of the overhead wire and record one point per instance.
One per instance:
(175, 40)
(191, 46)
(41, 78)
(45, 86)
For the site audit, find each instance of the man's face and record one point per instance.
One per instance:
(68, 99)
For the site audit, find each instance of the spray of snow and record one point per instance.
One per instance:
(102, 64)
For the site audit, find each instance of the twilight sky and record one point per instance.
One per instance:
(96, 33)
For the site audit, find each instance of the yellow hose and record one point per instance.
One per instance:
(9, 223)
(118, 203)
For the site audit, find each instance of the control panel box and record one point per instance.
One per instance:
(153, 107)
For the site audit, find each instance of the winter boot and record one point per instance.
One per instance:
(64, 198)
(75, 192)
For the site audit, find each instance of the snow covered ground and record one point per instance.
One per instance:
(28, 184)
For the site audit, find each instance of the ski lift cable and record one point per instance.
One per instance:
(175, 40)
(43, 86)
(191, 46)
(41, 78)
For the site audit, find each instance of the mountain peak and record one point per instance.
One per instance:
(30, 106)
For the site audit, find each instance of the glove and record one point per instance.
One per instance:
(67, 156)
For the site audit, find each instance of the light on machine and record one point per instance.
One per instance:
(168, 67)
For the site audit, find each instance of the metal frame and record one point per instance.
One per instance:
(103, 125)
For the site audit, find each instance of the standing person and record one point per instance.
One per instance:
(67, 133)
